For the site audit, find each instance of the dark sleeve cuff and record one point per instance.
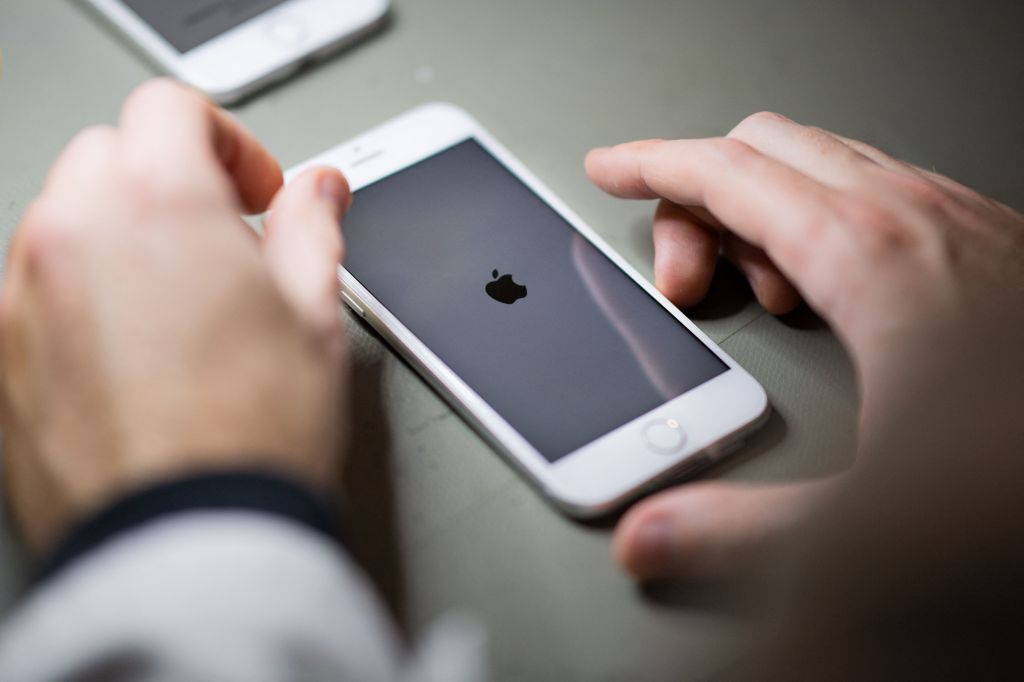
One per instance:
(237, 491)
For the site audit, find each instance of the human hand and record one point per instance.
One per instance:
(906, 265)
(148, 333)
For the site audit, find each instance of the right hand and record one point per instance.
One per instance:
(906, 265)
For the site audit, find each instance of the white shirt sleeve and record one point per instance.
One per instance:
(219, 595)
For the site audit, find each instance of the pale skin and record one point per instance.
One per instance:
(905, 264)
(146, 333)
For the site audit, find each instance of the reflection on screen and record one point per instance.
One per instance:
(541, 324)
(186, 24)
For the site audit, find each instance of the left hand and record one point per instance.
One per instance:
(146, 332)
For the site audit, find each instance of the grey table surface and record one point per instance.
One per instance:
(441, 522)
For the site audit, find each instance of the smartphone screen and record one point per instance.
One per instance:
(187, 24)
(539, 322)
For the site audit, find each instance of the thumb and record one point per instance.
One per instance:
(302, 242)
(708, 530)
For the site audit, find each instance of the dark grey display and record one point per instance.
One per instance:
(540, 323)
(186, 24)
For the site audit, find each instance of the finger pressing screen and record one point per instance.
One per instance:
(765, 202)
(685, 252)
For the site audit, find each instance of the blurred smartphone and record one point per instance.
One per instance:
(560, 354)
(230, 48)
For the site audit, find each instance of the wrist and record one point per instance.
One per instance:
(252, 491)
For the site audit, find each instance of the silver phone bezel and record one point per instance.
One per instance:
(612, 469)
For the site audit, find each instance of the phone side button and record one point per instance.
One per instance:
(664, 436)
(356, 308)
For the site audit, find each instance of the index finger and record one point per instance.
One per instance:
(765, 202)
(176, 131)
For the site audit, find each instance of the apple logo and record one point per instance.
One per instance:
(504, 289)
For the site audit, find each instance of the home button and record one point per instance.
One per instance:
(664, 436)
(286, 31)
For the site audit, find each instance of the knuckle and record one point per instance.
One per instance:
(142, 183)
(815, 227)
(864, 216)
(44, 238)
(149, 183)
(644, 145)
(797, 250)
(732, 150)
(792, 252)
(44, 218)
(768, 117)
(878, 229)
(759, 120)
(872, 152)
(91, 136)
(819, 140)
(921, 191)
(156, 91)
(758, 125)
(84, 157)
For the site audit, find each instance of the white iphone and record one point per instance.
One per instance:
(230, 48)
(559, 353)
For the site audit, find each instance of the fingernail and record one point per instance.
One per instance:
(332, 188)
(653, 544)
